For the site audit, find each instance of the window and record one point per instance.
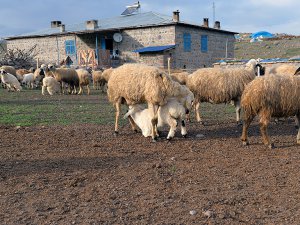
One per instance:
(70, 47)
(187, 42)
(204, 43)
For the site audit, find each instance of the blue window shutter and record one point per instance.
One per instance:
(70, 47)
(103, 46)
(187, 42)
(204, 43)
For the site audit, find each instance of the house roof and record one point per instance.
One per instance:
(147, 19)
(154, 48)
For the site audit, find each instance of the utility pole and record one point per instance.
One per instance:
(214, 15)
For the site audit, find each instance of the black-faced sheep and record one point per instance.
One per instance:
(220, 85)
(64, 76)
(270, 96)
(137, 83)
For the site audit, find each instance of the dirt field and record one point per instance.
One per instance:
(82, 174)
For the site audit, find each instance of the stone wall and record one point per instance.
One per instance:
(50, 49)
(195, 58)
(144, 37)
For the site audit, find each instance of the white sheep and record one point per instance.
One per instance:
(10, 81)
(221, 85)
(51, 85)
(28, 80)
(168, 114)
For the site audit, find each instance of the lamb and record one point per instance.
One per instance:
(64, 75)
(286, 69)
(84, 80)
(218, 85)
(270, 96)
(138, 83)
(51, 85)
(28, 80)
(168, 114)
(10, 81)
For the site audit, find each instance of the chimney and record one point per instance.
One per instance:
(217, 25)
(176, 16)
(62, 28)
(55, 24)
(205, 22)
(91, 24)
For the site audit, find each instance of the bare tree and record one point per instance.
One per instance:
(19, 58)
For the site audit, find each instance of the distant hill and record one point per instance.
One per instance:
(284, 46)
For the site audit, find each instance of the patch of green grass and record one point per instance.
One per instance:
(30, 108)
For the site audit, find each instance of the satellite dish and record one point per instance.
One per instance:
(117, 37)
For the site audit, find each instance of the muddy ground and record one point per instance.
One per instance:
(82, 174)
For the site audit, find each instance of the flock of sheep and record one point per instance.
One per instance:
(170, 97)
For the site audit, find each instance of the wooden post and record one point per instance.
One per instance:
(37, 63)
(169, 65)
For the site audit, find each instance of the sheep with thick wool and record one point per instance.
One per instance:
(64, 76)
(218, 85)
(286, 69)
(138, 83)
(168, 114)
(10, 81)
(180, 77)
(270, 96)
(98, 81)
(84, 80)
(51, 85)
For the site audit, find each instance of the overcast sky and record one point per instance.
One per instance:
(275, 16)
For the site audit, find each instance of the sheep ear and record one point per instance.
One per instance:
(129, 113)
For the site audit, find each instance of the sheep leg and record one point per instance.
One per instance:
(173, 124)
(247, 121)
(298, 135)
(197, 112)
(80, 89)
(297, 120)
(264, 121)
(118, 108)
(43, 90)
(88, 89)
(154, 120)
(237, 105)
(133, 124)
(183, 128)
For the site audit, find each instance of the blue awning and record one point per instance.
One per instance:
(154, 48)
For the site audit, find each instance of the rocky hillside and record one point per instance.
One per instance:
(284, 47)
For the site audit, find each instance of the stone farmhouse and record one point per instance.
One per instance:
(149, 38)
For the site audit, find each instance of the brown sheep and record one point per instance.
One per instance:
(180, 77)
(270, 96)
